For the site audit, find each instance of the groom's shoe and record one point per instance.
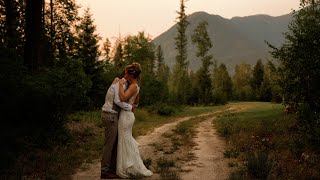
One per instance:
(108, 175)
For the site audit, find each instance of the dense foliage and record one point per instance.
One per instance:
(299, 64)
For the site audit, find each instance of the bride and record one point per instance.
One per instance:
(129, 162)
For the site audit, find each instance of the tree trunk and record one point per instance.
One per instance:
(33, 30)
(11, 24)
(51, 31)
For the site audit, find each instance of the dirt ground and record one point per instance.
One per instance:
(205, 161)
(210, 162)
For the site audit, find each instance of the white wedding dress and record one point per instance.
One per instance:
(129, 162)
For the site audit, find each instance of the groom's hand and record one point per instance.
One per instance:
(122, 81)
(115, 80)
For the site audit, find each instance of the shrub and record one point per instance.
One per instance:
(166, 110)
(231, 153)
(259, 165)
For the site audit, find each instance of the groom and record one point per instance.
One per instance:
(109, 116)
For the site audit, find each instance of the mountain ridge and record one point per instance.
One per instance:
(235, 40)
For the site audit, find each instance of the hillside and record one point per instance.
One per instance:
(236, 40)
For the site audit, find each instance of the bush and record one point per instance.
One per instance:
(150, 88)
(231, 153)
(309, 121)
(166, 110)
(259, 165)
(66, 86)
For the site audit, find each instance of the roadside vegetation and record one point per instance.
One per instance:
(266, 144)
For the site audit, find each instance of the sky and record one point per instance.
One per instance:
(128, 17)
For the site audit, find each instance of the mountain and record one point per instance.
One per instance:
(235, 40)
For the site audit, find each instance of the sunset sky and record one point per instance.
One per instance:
(156, 16)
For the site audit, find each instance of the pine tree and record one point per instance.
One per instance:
(265, 88)
(160, 59)
(181, 38)
(88, 47)
(118, 54)
(106, 48)
(88, 52)
(163, 72)
(257, 79)
(163, 69)
(179, 81)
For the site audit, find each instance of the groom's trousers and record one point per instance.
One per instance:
(109, 156)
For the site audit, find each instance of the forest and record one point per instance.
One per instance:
(54, 63)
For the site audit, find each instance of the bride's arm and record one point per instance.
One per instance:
(123, 105)
(125, 95)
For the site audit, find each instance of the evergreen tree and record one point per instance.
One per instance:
(88, 47)
(118, 55)
(181, 38)
(106, 48)
(201, 38)
(163, 70)
(160, 60)
(257, 79)
(265, 88)
(179, 81)
(88, 52)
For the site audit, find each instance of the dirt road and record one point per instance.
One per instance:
(209, 162)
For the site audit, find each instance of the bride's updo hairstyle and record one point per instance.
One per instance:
(134, 70)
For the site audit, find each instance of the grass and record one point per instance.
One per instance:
(264, 143)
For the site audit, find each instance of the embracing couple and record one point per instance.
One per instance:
(121, 157)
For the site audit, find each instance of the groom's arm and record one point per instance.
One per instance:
(123, 105)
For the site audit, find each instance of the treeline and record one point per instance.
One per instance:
(52, 64)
